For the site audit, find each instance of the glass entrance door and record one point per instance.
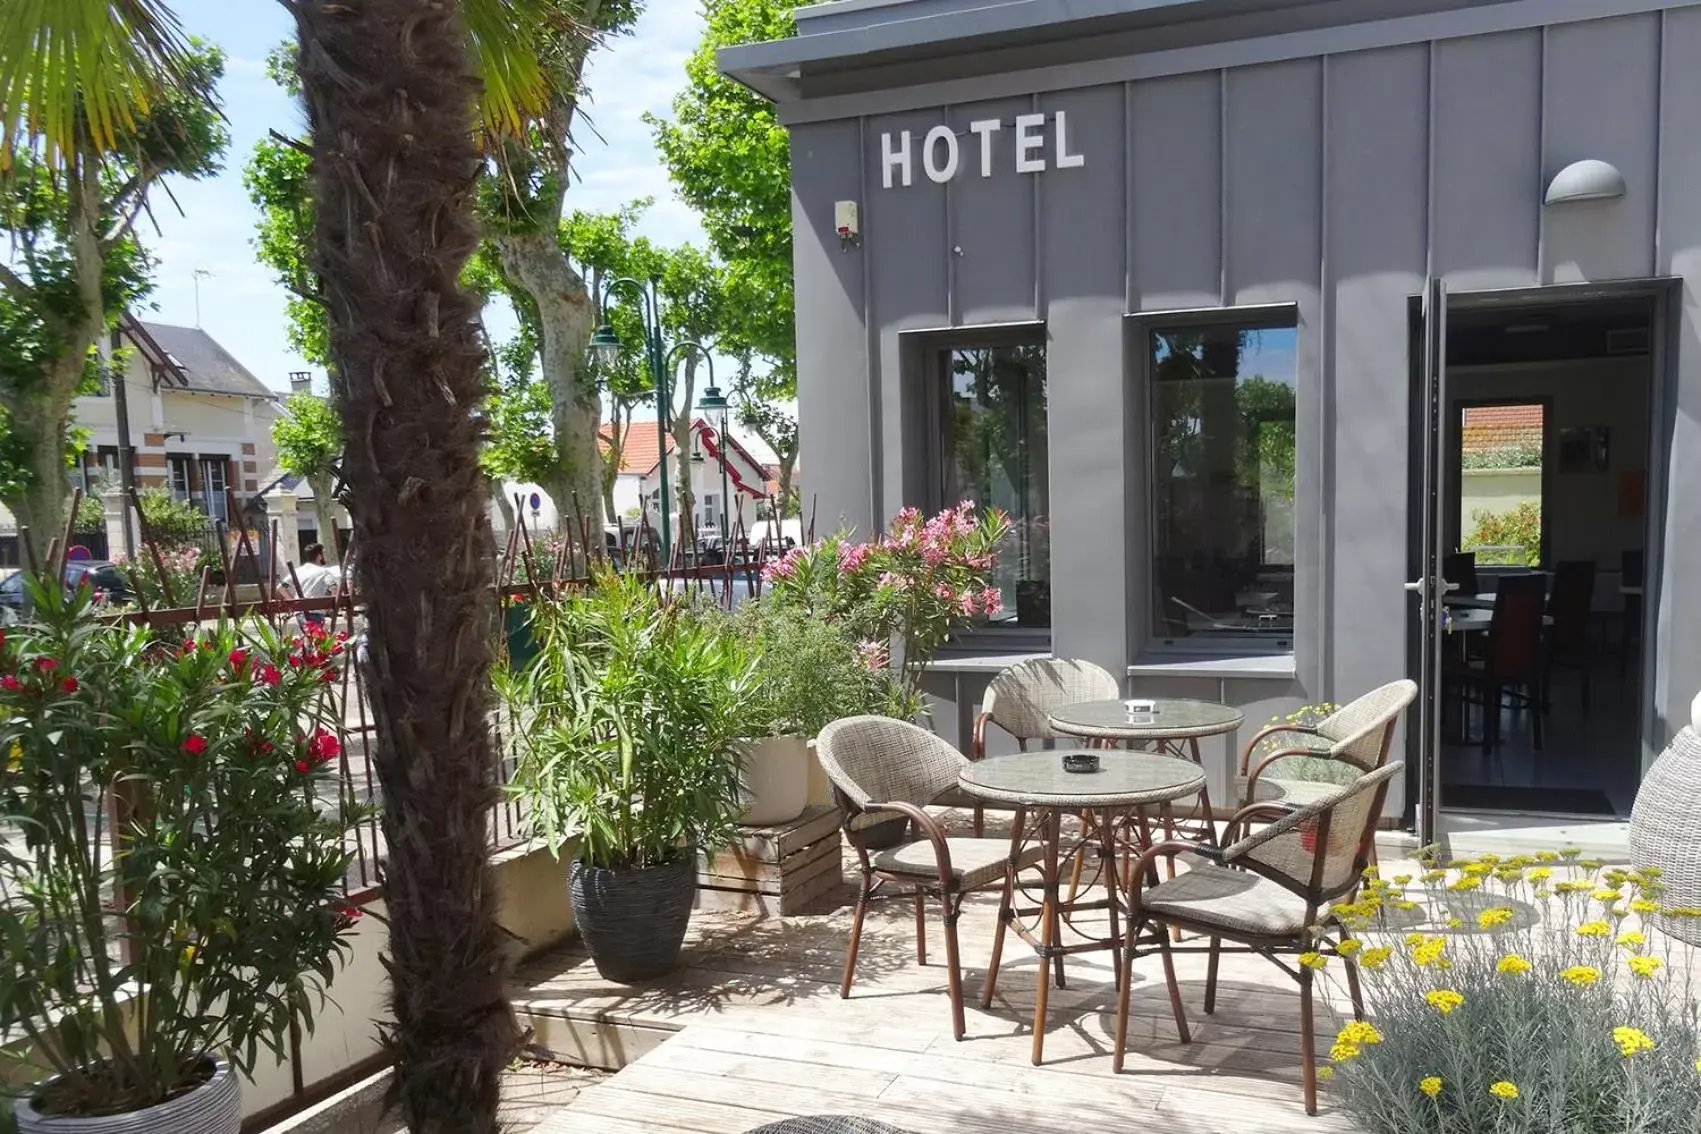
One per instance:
(1430, 585)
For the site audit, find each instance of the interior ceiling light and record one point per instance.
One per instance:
(1586, 180)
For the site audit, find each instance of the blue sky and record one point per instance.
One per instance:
(240, 305)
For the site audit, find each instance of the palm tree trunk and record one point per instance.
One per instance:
(390, 96)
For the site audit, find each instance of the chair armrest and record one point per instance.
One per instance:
(1268, 811)
(977, 745)
(1270, 730)
(930, 829)
(1280, 754)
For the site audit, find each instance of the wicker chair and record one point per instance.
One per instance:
(827, 1124)
(1266, 892)
(1019, 701)
(1309, 762)
(882, 769)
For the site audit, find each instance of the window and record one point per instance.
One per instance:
(214, 482)
(1222, 477)
(1501, 476)
(179, 475)
(989, 446)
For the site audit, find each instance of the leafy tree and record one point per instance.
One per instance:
(309, 437)
(1513, 537)
(730, 159)
(88, 128)
(173, 524)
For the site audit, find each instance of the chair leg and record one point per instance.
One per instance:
(1006, 901)
(954, 975)
(1211, 975)
(1307, 1041)
(1124, 992)
(855, 938)
(1353, 987)
(920, 926)
(1174, 989)
(980, 822)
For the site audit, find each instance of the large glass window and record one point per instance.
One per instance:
(994, 452)
(1223, 484)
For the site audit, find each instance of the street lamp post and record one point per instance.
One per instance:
(605, 346)
(713, 401)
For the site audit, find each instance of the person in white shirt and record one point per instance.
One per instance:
(317, 581)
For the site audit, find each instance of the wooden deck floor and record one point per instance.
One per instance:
(751, 1029)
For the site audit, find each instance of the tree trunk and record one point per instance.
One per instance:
(325, 508)
(565, 312)
(504, 506)
(788, 468)
(390, 93)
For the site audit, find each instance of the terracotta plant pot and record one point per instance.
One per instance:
(214, 1107)
(633, 921)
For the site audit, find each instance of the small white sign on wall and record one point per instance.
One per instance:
(1032, 147)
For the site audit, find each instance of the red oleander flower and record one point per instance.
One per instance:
(69, 685)
(303, 767)
(195, 744)
(238, 659)
(46, 665)
(295, 661)
(10, 683)
(324, 746)
(270, 674)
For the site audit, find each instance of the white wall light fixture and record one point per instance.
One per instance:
(1586, 180)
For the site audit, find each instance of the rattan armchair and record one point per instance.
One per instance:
(1267, 892)
(880, 769)
(1309, 762)
(1021, 699)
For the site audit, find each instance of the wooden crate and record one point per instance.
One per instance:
(774, 870)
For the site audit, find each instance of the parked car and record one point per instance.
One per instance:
(107, 581)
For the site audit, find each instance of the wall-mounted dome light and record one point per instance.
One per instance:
(1586, 180)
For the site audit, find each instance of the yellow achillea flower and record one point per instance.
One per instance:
(1650, 872)
(1444, 1000)
(1376, 956)
(1581, 975)
(1430, 953)
(1478, 869)
(1402, 879)
(1541, 874)
(1469, 882)
(1504, 1090)
(1644, 966)
(1343, 1051)
(1325, 1072)
(1493, 916)
(1359, 1032)
(1608, 896)
(1312, 960)
(1574, 886)
(1547, 856)
(1632, 939)
(1591, 863)
(1682, 911)
(1594, 929)
(1630, 1041)
(1455, 923)
(1512, 963)
(1403, 904)
(1349, 946)
(1644, 906)
(1434, 875)
(1430, 1085)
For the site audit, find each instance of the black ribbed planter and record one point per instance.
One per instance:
(633, 921)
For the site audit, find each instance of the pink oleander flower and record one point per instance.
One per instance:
(853, 555)
(873, 656)
(894, 580)
(944, 591)
(991, 600)
(968, 602)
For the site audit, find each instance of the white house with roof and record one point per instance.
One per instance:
(637, 487)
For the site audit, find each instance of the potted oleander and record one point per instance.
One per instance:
(628, 725)
(147, 973)
(810, 672)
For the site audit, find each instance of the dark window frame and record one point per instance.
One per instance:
(1147, 637)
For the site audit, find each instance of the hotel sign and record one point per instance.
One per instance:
(1033, 147)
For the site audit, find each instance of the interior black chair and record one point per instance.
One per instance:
(1511, 668)
(1571, 606)
(1460, 569)
(1632, 572)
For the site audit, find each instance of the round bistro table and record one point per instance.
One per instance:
(1174, 726)
(1113, 803)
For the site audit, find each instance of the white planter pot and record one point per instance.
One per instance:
(215, 1107)
(773, 783)
(820, 787)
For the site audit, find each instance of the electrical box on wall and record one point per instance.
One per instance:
(846, 223)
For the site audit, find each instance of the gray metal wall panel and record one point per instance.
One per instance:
(1175, 131)
(1272, 251)
(992, 219)
(1487, 176)
(1376, 181)
(907, 241)
(1601, 100)
(1678, 676)
(833, 377)
(1082, 278)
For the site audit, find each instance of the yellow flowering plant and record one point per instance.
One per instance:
(1516, 998)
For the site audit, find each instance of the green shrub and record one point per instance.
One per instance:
(1512, 538)
(812, 672)
(1525, 996)
(172, 522)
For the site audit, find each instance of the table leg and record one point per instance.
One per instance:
(1112, 880)
(1167, 814)
(1193, 750)
(1006, 904)
(1049, 930)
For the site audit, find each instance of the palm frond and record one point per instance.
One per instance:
(507, 46)
(78, 74)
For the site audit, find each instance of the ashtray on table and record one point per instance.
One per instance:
(1080, 762)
